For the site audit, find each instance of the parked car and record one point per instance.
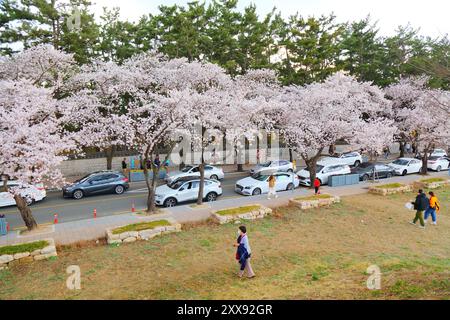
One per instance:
(211, 172)
(324, 170)
(438, 163)
(97, 183)
(367, 170)
(30, 193)
(438, 153)
(404, 166)
(186, 189)
(348, 158)
(259, 183)
(273, 166)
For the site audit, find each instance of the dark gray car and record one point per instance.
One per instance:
(97, 183)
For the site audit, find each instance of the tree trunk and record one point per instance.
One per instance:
(291, 156)
(201, 168)
(5, 184)
(109, 157)
(332, 150)
(424, 170)
(402, 149)
(240, 167)
(25, 212)
(151, 205)
(311, 167)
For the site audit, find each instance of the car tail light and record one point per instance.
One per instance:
(125, 179)
(40, 187)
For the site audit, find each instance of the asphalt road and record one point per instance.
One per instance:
(109, 204)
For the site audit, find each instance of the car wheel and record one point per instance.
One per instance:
(214, 177)
(404, 172)
(210, 197)
(365, 178)
(170, 202)
(290, 170)
(119, 189)
(389, 175)
(357, 163)
(78, 194)
(256, 192)
(438, 168)
(290, 186)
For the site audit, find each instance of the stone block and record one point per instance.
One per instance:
(48, 249)
(6, 258)
(129, 239)
(21, 255)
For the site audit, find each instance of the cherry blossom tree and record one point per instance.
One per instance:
(97, 106)
(319, 114)
(419, 115)
(32, 144)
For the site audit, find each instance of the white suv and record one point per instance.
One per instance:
(349, 158)
(31, 193)
(273, 166)
(324, 170)
(211, 172)
(186, 189)
(404, 166)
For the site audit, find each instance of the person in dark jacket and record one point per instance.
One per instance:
(244, 253)
(420, 205)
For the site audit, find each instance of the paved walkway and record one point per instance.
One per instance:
(92, 229)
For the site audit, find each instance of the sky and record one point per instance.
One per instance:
(431, 16)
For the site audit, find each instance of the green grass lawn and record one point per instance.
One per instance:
(390, 186)
(314, 197)
(239, 210)
(320, 254)
(431, 180)
(141, 226)
(26, 247)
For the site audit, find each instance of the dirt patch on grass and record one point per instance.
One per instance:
(319, 254)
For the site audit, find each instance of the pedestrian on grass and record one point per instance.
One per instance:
(420, 205)
(244, 253)
(433, 208)
(316, 186)
(272, 190)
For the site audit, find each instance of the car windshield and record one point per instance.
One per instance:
(260, 177)
(401, 162)
(186, 169)
(83, 179)
(267, 164)
(318, 168)
(434, 158)
(176, 185)
(366, 165)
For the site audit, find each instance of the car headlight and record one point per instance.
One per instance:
(158, 196)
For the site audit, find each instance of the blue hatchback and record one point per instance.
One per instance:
(97, 183)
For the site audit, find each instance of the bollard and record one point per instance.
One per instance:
(95, 213)
(55, 218)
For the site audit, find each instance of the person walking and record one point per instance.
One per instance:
(272, 190)
(420, 205)
(316, 186)
(244, 253)
(124, 167)
(433, 208)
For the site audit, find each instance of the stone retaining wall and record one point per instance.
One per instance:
(388, 191)
(132, 236)
(7, 260)
(252, 215)
(309, 204)
(430, 185)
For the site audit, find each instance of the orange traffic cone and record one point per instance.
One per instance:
(95, 213)
(55, 218)
(133, 209)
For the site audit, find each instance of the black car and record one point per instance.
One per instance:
(97, 183)
(366, 171)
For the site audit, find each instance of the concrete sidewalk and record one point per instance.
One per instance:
(92, 229)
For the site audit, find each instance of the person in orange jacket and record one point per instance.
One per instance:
(317, 186)
(433, 208)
